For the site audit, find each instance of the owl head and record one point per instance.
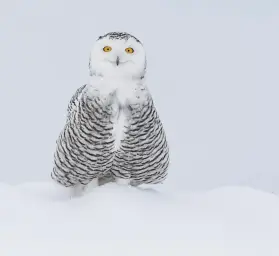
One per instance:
(118, 54)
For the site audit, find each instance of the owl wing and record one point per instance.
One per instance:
(144, 152)
(84, 148)
(74, 102)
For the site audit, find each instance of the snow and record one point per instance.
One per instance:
(40, 219)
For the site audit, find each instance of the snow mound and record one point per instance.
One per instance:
(39, 219)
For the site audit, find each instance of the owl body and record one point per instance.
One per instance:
(113, 131)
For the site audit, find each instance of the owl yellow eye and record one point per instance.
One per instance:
(107, 49)
(129, 50)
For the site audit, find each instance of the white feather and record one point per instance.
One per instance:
(119, 129)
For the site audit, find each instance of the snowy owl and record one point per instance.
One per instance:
(113, 131)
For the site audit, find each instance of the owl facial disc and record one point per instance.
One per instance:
(118, 55)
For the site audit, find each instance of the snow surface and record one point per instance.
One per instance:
(40, 219)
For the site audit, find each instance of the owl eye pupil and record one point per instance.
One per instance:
(107, 49)
(129, 50)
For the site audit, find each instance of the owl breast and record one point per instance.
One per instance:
(119, 127)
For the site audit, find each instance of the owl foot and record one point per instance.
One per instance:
(120, 181)
(76, 191)
(91, 185)
(81, 189)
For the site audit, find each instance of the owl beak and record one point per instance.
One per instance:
(117, 61)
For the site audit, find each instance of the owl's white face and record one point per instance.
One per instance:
(118, 55)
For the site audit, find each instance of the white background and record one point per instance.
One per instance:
(212, 69)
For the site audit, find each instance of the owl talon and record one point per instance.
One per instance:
(123, 182)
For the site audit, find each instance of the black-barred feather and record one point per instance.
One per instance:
(85, 148)
(143, 156)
